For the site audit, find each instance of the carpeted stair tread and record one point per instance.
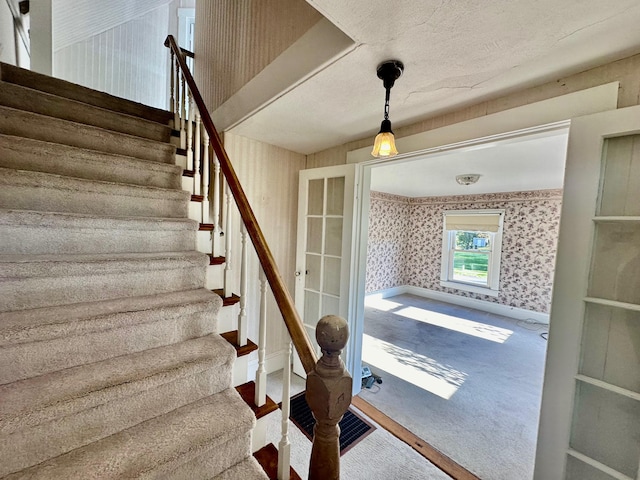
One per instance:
(248, 469)
(63, 88)
(44, 398)
(154, 448)
(135, 388)
(47, 157)
(26, 280)
(200, 368)
(50, 129)
(28, 190)
(37, 232)
(30, 100)
(79, 318)
(44, 340)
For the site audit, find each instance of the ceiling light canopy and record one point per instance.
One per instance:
(467, 178)
(385, 144)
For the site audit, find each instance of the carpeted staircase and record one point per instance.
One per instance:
(110, 363)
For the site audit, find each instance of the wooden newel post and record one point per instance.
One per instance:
(329, 396)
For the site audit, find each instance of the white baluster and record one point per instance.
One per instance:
(261, 374)
(197, 168)
(183, 113)
(176, 107)
(242, 316)
(227, 243)
(190, 162)
(284, 447)
(215, 238)
(172, 98)
(206, 177)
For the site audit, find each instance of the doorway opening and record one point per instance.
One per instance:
(461, 363)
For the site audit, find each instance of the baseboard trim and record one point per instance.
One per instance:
(496, 308)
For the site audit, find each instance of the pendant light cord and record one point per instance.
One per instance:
(386, 104)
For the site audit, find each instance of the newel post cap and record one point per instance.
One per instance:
(332, 334)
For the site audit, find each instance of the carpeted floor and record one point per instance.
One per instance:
(466, 381)
(379, 456)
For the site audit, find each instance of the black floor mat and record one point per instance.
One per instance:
(353, 428)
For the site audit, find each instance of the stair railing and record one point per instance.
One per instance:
(328, 382)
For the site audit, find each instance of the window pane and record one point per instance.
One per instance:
(316, 197)
(333, 240)
(311, 307)
(480, 241)
(312, 277)
(335, 196)
(470, 267)
(314, 235)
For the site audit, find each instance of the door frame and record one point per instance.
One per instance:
(533, 118)
(525, 120)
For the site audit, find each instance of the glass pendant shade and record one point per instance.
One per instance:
(385, 143)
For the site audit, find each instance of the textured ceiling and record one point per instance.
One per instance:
(455, 53)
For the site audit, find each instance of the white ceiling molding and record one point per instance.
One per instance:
(78, 20)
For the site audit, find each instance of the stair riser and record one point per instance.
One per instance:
(34, 445)
(27, 78)
(38, 358)
(211, 463)
(68, 199)
(23, 98)
(23, 239)
(20, 294)
(34, 155)
(48, 129)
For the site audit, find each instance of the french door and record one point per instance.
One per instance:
(326, 201)
(590, 417)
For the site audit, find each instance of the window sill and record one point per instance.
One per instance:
(470, 288)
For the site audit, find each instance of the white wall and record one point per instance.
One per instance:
(126, 58)
(12, 48)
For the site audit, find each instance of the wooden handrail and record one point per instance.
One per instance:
(186, 52)
(285, 303)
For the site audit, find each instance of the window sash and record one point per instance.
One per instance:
(452, 252)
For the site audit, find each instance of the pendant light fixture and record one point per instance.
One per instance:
(385, 144)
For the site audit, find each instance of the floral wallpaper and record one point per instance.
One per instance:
(388, 247)
(405, 243)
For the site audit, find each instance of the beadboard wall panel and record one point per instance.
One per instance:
(78, 20)
(269, 176)
(236, 39)
(128, 61)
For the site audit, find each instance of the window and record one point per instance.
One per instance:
(471, 247)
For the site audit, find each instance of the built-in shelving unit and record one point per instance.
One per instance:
(605, 428)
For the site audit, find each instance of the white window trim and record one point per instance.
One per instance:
(494, 268)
